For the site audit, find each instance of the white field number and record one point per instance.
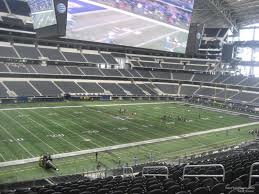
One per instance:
(56, 135)
(13, 140)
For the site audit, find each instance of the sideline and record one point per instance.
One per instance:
(115, 147)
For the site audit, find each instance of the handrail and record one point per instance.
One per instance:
(155, 167)
(124, 171)
(251, 173)
(204, 175)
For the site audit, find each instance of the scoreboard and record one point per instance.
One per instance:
(49, 17)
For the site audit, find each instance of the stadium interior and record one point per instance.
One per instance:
(129, 97)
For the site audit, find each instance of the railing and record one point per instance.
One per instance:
(125, 171)
(155, 168)
(204, 175)
(251, 173)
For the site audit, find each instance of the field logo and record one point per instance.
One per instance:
(61, 8)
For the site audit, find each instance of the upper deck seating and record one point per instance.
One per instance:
(91, 87)
(172, 66)
(27, 52)
(133, 89)
(3, 7)
(50, 69)
(205, 91)
(245, 96)
(134, 73)
(145, 74)
(147, 89)
(188, 90)
(111, 72)
(3, 68)
(94, 58)
(162, 74)
(135, 63)
(226, 94)
(172, 60)
(125, 73)
(52, 54)
(91, 71)
(21, 88)
(234, 80)
(252, 81)
(150, 64)
(3, 91)
(168, 88)
(74, 70)
(18, 7)
(221, 78)
(75, 57)
(113, 88)
(109, 58)
(147, 58)
(17, 68)
(8, 52)
(203, 77)
(182, 76)
(69, 87)
(196, 68)
(46, 88)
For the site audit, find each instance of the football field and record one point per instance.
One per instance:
(29, 130)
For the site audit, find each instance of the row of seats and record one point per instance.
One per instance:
(155, 74)
(236, 165)
(169, 60)
(174, 66)
(58, 88)
(30, 52)
(13, 6)
(53, 53)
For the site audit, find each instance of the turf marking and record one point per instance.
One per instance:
(24, 148)
(132, 124)
(99, 126)
(11, 118)
(1, 155)
(81, 106)
(44, 127)
(62, 126)
(128, 145)
(40, 107)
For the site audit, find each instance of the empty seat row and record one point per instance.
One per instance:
(52, 53)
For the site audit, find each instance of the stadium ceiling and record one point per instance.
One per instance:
(226, 13)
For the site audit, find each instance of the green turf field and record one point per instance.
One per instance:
(27, 131)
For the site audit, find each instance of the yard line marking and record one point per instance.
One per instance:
(132, 123)
(95, 124)
(217, 109)
(128, 145)
(53, 132)
(2, 157)
(8, 116)
(62, 126)
(104, 128)
(80, 106)
(168, 156)
(40, 107)
(26, 150)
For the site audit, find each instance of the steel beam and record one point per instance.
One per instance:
(225, 12)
